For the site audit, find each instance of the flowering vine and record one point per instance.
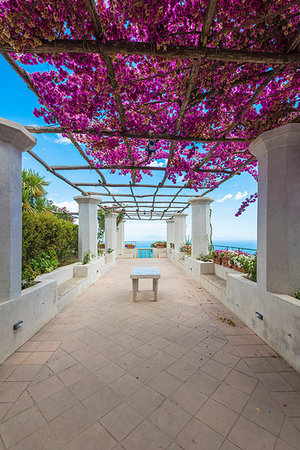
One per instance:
(76, 91)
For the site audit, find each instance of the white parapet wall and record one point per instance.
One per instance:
(41, 302)
(280, 323)
(35, 307)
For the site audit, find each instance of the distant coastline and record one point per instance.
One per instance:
(239, 243)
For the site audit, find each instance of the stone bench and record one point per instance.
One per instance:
(139, 273)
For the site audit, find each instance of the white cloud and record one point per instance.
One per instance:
(221, 200)
(156, 164)
(61, 140)
(239, 195)
(71, 206)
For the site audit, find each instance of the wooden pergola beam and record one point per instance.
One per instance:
(86, 46)
(129, 167)
(135, 185)
(122, 134)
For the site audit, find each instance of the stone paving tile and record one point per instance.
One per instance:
(264, 415)
(241, 381)
(93, 438)
(109, 374)
(217, 416)
(38, 358)
(145, 400)
(146, 437)
(71, 423)
(11, 390)
(170, 418)
(102, 401)
(45, 388)
(121, 421)
(24, 401)
(289, 402)
(57, 404)
(231, 397)
(43, 438)
(249, 436)
(21, 425)
(25, 373)
(203, 382)
(165, 384)
(197, 435)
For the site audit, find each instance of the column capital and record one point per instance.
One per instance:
(16, 134)
(112, 214)
(87, 199)
(170, 220)
(282, 137)
(200, 200)
(180, 215)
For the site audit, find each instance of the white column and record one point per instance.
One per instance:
(180, 230)
(88, 224)
(120, 236)
(14, 139)
(200, 225)
(278, 235)
(170, 232)
(111, 231)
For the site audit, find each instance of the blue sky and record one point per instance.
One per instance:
(17, 103)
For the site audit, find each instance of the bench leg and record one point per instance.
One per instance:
(134, 290)
(155, 289)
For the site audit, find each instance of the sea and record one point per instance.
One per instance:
(247, 246)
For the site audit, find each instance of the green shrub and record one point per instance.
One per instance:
(297, 295)
(28, 277)
(44, 263)
(109, 250)
(46, 233)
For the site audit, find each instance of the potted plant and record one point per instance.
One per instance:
(129, 245)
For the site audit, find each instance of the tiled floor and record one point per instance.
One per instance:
(107, 373)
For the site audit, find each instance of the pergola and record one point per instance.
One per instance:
(216, 77)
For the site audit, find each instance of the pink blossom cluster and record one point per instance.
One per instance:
(76, 92)
(246, 203)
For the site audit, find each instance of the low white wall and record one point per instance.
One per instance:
(36, 306)
(159, 252)
(61, 275)
(195, 268)
(40, 303)
(281, 316)
(281, 313)
(222, 271)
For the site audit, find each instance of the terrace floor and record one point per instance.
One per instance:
(107, 373)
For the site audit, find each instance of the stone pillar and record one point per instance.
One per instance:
(121, 236)
(278, 230)
(88, 225)
(200, 225)
(111, 231)
(14, 139)
(179, 230)
(170, 232)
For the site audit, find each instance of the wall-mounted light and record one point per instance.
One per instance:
(18, 325)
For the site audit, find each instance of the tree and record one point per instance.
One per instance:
(33, 191)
